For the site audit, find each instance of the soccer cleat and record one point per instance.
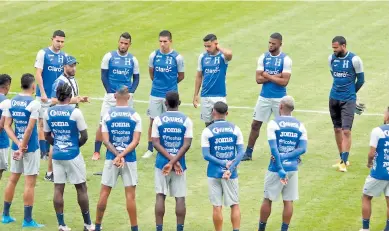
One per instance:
(90, 227)
(96, 156)
(342, 167)
(246, 157)
(147, 154)
(64, 228)
(49, 178)
(337, 164)
(7, 219)
(31, 224)
(364, 230)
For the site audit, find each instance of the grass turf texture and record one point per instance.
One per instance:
(329, 200)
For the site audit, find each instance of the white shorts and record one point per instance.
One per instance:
(129, 174)
(265, 107)
(156, 106)
(222, 190)
(28, 165)
(375, 188)
(4, 155)
(172, 183)
(44, 106)
(207, 104)
(73, 170)
(273, 186)
(110, 101)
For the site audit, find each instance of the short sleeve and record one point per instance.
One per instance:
(330, 62)
(46, 127)
(79, 118)
(199, 65)
(189, 128)
(239, 135)
(304, 135)
(154, 128)
(205, 135)
(104, 127)
(357, 64)
(260, 66)
(5, 106)
(136, 66)
(180, 63)
(138, 119)
(40, 59)
(105, 61)
(34, 108)
(287, 65)
(57, 83)
(151, 59)
(375, 136)
(272, 127)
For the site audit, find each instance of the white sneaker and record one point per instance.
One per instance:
(364, 230)
(147, 154)
(64, 228)
(90, 227)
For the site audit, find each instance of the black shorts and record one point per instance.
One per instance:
(342, 113)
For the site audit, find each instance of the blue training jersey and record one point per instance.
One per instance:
(172, 127)
(23, 108)
(120, 68)
(121, 122)
(65, 122)
(4, 140)
(222, 139)
(380, 140)
(166, 68)
(51, 64)
(344, 72)
(288, 132)
(274, 65)
(214, 71)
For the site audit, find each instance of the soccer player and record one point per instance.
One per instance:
(49, 66)
(166, 69)
(68, 77)
(117, 69)
(211, 75)
(347, 71)
(273, 72)
(5, 85)
(222, 146)
(172, 134)
(65, 129)
(23, 111)
(121, 127)
(287, 139)
(378, 180)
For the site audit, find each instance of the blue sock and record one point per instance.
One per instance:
(28, 213)
(7, 206)
(134, 228)
(235, 230)
(262, 226)
(365, 223)
(180, 227)
(98, 146)
(345, 156)
(150, 146)
(86, 217)
(60, 219)
(387, 225)
(42, 146)
(159, 227)
(284, 227)
(249, 151)
(97, 227)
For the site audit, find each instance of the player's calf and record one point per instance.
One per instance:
(217, 218)
(180, 212)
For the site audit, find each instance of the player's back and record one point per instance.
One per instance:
(20, 111)
(381, 160)
(214, 70)
(172, 127)
(4, 140)
(62, 122)
(273, 65)
(62, 80)
(120, 70)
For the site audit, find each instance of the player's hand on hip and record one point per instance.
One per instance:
(167, 169)
(196, 100)
(178, 168)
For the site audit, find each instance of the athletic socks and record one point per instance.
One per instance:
(344, 156)
(262, 226)
(134, 228)
(284, 227)
(180, 227)
(97, 146)
(43, 146)
(60, 219)
(86, 217)
(159, 227)
(97, 227)
(366, 223)
(7, 206)
(150, 146)
(249, 151)
(235, 230)
(28, 213)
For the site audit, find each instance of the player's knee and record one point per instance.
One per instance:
(256, 125)
(347, 133)
(338, 130)
(159, 211)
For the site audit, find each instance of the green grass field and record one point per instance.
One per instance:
(329, 200)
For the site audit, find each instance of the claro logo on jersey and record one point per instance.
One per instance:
(121, 72)
(212, 70)
(163, 70)
(224, 140)
(59, 113)
(288, 124)
(217, 130)
(271, 72)
(340, 74)
(16, 103)
(168, 119)
(55, 69)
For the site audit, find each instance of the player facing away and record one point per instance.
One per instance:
(348, 77)
(222, 146)
(378, 180)
(49, 66)
(121, 130)
(23, 111)
(5, 85)
(211, 77)
(65, 129)
(118, 68)
(166, 69)
(273, 72)
(287, 139)
(172, 134)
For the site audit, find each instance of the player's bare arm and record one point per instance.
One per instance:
(281, 79)
(10, 132)
(108, 144)
(181, 76)
(27, 134)
(151, 73)
(49, 138)
(2, 119)
(157, 145)
(39, 80)
(131, 147)
(83, 138)
(226, 52)
(198, 81)
(259, 77)
(174, 161)
(370, 157)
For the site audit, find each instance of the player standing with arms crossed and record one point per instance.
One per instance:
(121, 130)
(273, 72)
(211, 77)
(222, 146)
(23, 111)
(166, 69)
(118, 68)
(172, 135)
(348, 77)
(5, 85)
(287, 139)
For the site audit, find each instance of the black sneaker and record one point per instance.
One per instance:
(49, 178)
(246, 157)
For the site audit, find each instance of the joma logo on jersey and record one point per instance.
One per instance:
(119, 113)
(163, 70)
(288, 134)
(211, 71)
(18, 113)
(386, 132)
(121, 125)
(55, 69)
(168, 119)
(121, 72)
(62, 124)
(386, 143)
(224, 140)
(217, 130)
(288, 124)
(173, 130)
(340, 74)
(16, 103)
(59, 113)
